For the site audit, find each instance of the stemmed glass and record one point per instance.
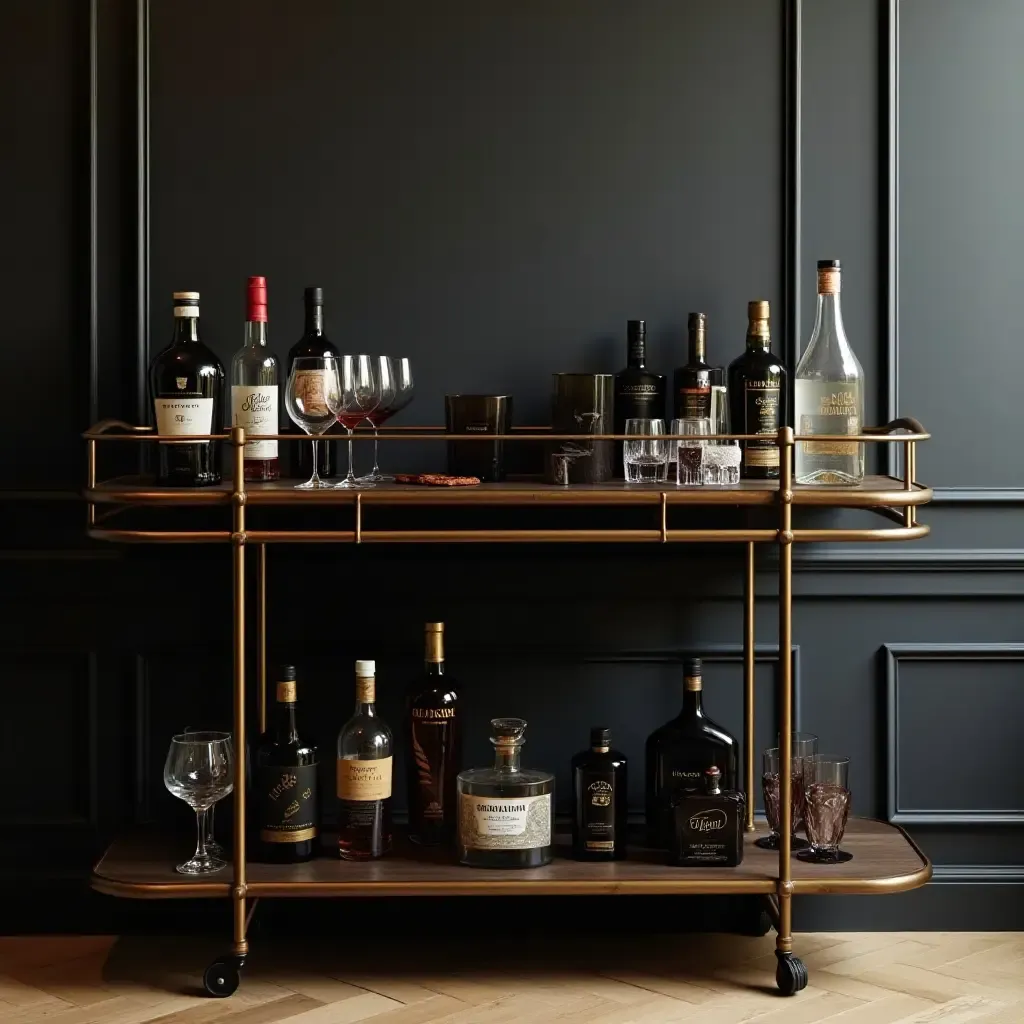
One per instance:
(357, 395)
(198, 770)
(311, 390)
(386, 375)
(213, 847)
(402, 395)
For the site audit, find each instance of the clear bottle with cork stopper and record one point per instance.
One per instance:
(365, 751)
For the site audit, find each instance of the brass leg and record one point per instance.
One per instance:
(261, 640)
(241, 947)
(748, 682)
(784, 940)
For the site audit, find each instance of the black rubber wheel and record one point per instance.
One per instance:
(790, 975)
(221, 978)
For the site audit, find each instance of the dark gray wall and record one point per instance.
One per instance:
(495, 192)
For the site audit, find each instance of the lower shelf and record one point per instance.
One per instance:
(885, 859)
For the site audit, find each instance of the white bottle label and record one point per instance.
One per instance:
(192, 415)
(254, 407)
(504, 823)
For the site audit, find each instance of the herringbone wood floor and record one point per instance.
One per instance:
(880, 978)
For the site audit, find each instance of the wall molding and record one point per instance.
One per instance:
(894, 654)
(977, 874)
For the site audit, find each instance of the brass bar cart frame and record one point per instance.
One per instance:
(896, 499)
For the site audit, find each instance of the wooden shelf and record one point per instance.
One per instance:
(885, 860)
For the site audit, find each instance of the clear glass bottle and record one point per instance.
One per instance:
(254, 387)
(505, 812)
(829, 393)
(364, 775)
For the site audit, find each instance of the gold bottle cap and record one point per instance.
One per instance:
(186, 296)
(286, 692)
(433, 627)
(758, 309)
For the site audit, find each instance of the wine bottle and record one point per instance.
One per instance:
(186, 381)
(364, 775)
(757, 396)
(254, 388)
(691, 383)
(285, 783)
(434, 746)
(639, 393)
(314, 342)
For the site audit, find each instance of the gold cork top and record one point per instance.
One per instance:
(434, 636)
(828, 277)
(286, 692)
(365, 682)
(758, 315)
(692, 683)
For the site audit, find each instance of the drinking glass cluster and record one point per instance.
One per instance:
(699, 459)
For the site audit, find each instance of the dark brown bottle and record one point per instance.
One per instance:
(639, 394)
(691, 383)
(708, 826)
(757, 397)
(313, 343)
(599, 800)
(433, 747)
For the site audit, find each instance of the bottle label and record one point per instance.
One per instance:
(192, 415)
(287, 802)
(254, 407)
(432, 736)
(311, 391)
(504, 823)
(599, 814)
(364, 779)
(186, 311)
(695, 402)
(761, 405)
(828, 408)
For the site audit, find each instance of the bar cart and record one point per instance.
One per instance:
(885, 859)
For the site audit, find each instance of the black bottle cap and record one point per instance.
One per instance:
(636, 329)
(314, 296)
(600, 736)
(286, 674)
(828, 264)
(691, 667)
(695, 320)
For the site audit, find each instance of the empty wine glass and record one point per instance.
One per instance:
(404, 391)
(357, 396)
(645, 451)
(311, 390)
(213, 847)
(827, 793)
(199, 770)
(386, 374)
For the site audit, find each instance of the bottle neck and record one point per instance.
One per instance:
(693, 703)
(759, 338)
(285, 729)
(829, 317)
(255, 334)
(506, 758)
(366, 696)
(433, 657)
(433, 668)
(636, 351)
(186, 329)
(697, 347)
(314, 320)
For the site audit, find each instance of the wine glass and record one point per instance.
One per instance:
(401, 369)
(312, 387)
(386, 372)
(213, 847)
(199, 770)
(357, 395)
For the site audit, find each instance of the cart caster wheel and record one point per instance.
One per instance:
(790, 975)
(221, 978)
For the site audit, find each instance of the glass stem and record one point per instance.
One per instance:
(351, 476)
(201, 853)
(315, 478)
(376, 468)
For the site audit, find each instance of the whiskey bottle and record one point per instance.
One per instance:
(284, 784)
(434, 746)
(708, 826)
(364, 775)
(691, 383)
(599, 797)
(186, 380)
(505, 811)
(829, 393)
(638, 392)
(678, 753)
(757, 397)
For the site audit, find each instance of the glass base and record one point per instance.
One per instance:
(352, 485)
(314, 485)
(772, 843)
(375, 478)
(825, 856)
(201, 866)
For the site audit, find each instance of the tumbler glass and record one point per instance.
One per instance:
(645, 452)
(827, 792)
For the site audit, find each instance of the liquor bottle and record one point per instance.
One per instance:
(505, 811)
(829, 393)
(638, 392)
(284, 784)
(691, 383)
(254, 387)
(186, 380)
(757, 395)
(678, 753)
(434, 755)
(708, 826)
(599, 797)
(364, 775)
(314, 343)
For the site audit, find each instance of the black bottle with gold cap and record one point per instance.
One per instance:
(599, 798)
(691, 383)
(433, 746)
(284, 789)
